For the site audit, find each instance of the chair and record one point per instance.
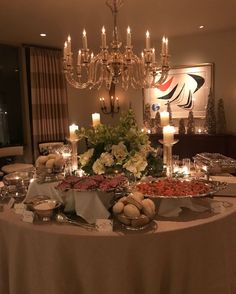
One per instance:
(9, 156)
(48, 147)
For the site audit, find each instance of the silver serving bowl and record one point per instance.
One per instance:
(45, 209)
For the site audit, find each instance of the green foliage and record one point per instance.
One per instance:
(210, 123)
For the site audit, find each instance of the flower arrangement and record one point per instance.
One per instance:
(121, 149)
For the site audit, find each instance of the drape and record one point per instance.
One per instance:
(49, 102)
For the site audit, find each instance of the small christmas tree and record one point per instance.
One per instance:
(190, 124)
(170, 113)
(221, 120)
(182, 130)
(210, 123)
(157, 123)
(147, 116)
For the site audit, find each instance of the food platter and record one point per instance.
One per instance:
(179, 188)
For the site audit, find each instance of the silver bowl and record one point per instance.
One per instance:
(45, 209)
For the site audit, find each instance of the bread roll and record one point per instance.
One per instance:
(124, 200)
(131, 211)
(136, 202)
(138, 195)
(41, 160)
(52, 156)
(149, 207)
(59, 162)
(118, 207)
(50, 163)
(123, 219)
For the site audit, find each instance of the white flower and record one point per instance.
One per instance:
(107, 159)
(98, 167)
(119, 152)
(145, 149)
(136, 164)
(86, 156)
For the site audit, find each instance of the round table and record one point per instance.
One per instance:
(191, 254)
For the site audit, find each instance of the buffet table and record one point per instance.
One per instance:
(191, 254)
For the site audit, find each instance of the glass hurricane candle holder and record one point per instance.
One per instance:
(167, 157)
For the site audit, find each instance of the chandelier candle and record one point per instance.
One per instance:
(164, 118)
(128, 37)
(96, 119)
(72, 129)
(104, 40)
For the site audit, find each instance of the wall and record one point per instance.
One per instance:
(218, 48)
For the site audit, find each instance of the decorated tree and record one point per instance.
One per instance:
(157, 123)
(147, 116)
(221, 120)
(170, 113)
(182, 130)
(210, 122)
(190, 123)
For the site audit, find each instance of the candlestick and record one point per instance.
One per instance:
(68, 45)
(165, 116)
(168, 134)
(84, 40)
(128, 37)
(96, 119)
(79, 58)
(104, 41)
(147, 40)
(72, 129)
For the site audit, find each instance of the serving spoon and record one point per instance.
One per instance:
(62, 218)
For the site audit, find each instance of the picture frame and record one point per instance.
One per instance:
(186, 89)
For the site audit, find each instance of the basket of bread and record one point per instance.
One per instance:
(134, 211)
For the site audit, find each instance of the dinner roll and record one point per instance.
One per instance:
(123, 199)
(123, 219)
(59, 162)
(41, 160)
(136, 202)
(50, 163)
(138, 195)
(118, 207)
(149, 207)
(131, 211)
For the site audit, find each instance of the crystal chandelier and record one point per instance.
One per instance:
(114, 66)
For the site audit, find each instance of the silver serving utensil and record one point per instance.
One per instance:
(62, 218)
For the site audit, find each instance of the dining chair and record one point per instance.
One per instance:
(12, 159)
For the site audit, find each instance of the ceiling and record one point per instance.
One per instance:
(22, 21)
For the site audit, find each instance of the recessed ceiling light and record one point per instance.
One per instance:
(43, 35)
(201, 27)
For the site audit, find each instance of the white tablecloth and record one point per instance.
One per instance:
(89, 205)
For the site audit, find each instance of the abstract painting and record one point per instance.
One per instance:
(186, 88)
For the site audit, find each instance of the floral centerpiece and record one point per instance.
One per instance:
(121, 149)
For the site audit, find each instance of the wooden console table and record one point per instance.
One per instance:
(190, 145)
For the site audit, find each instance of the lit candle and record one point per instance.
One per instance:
(84, 40)
(72, 129)
(164, 118)
(79, 58)
(96, 119)
(65, 50)
(68, 45)
(128, 37)
(102, 101)
(199, 131)
(147, 40)
(153, 55)
(117, 101)
(104, 41)
(168, 134)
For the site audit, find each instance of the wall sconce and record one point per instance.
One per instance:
(113, 103)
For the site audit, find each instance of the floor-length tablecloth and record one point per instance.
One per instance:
(192, 254)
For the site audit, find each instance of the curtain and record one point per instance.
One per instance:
(49, 102)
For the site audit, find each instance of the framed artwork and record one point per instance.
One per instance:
(186, 88)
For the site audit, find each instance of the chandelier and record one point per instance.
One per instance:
(114, 65)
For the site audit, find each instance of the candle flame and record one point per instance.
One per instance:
(69, 39)
(84, 33)
(147, 34)
(128, 30)
(65, 45)
(103, 30)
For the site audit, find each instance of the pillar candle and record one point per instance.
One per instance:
(168, 134)
(72, 129)
(96, 119)
(164, 118)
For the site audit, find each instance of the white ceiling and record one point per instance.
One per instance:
(21, 21)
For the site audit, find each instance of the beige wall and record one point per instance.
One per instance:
(218, 48)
